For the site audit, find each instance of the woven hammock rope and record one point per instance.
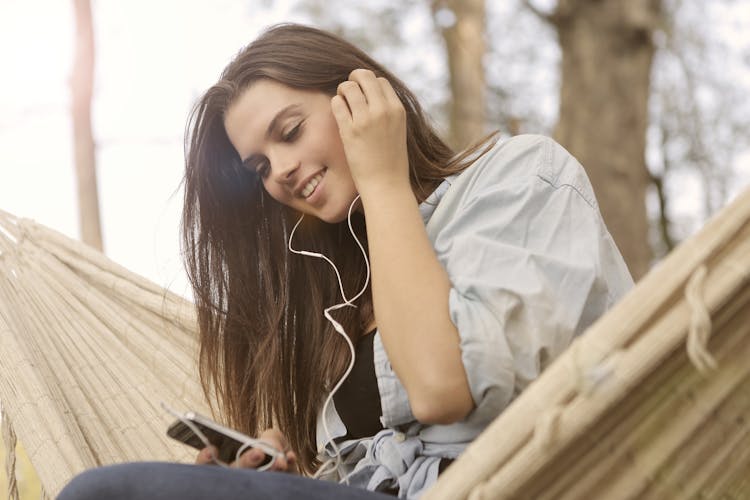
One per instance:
(9, 438)
(89, 351)
(651, 402)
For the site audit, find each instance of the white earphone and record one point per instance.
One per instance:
(336, 461)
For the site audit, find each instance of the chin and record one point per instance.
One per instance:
(335, 218)
(340, 213)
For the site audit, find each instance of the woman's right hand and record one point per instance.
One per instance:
(255, 457)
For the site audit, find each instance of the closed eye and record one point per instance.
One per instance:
(259, 164)
(293, 133)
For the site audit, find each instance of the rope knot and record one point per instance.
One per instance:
(699, 330)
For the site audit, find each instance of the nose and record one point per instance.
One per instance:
(283, 167)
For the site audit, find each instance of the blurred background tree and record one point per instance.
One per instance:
(699, 115)
(607, 49)
(462, 26)
(637, 90)
(82, 89)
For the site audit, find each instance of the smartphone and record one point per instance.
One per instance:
(227, 440)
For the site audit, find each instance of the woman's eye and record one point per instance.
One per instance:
(293, 133)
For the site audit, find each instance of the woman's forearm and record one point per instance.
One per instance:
(410, 294)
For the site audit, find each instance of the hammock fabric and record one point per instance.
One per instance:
(653, 401)
(89, 350)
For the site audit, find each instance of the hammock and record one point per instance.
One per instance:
(653, 401)
(89, 350)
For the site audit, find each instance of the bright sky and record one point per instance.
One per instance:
(153, 59)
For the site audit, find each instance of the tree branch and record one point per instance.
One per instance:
(664, 222)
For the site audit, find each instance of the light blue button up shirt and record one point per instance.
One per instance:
(531, 265)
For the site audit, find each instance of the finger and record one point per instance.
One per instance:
(278, 441)
(275, 438)
(355, 98)
(291, 460)
(251, 459)
(388, 92)
(370, 87)
(280, 464)
(207, 455)
(341, 113)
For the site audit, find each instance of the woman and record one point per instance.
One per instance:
(484, 266)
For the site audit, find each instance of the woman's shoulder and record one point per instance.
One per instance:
(529, 154)
(528, 158)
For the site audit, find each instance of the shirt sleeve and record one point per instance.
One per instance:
(523, 252)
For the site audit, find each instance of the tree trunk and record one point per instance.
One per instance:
(607, 52)
(465, 47)
(82, 83)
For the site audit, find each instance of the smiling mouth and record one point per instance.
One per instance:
(312, 184)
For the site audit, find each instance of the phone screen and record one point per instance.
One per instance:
(227, 445)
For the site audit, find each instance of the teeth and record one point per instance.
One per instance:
(310, 186)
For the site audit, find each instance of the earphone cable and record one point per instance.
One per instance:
(340, 329)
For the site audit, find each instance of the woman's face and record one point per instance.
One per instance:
(290, 138)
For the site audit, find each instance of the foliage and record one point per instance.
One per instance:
(699, 117)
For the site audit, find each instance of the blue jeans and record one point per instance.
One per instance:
(167, 481)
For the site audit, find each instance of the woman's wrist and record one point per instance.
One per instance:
(385, 193)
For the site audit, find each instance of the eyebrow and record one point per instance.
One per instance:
(288, 110)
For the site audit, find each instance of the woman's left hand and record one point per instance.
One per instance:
(253, 458)
(372, 124)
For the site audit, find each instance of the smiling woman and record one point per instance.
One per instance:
(474, 270)
(294, 148)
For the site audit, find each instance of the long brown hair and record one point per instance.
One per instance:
(266, 351)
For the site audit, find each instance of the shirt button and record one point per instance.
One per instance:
(399, 437)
